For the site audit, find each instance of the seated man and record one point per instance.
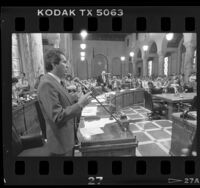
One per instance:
(153, 89)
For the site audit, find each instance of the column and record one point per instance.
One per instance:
(145, 65)
(66, 46)
(31, 51)
(160, 63)
(134, 67)
(188, 60)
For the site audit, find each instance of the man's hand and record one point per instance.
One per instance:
(84, 99)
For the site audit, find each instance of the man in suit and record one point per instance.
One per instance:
(57, 106)
(101, 80)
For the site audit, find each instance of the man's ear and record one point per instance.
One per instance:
(53, 65)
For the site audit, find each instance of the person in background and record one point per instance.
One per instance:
(15, 91)
(158, 83)
(109, 81)
(139, 84)
(59, 110)
(193, 83)
(38, 81)
(116, 84)
(23, 84)
(101, 81)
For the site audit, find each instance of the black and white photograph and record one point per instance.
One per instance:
(104, 94)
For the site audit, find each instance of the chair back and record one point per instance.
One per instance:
(170, 90)
(157, 91)
(148, 100)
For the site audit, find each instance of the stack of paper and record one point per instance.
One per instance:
(89, 111)
(94, 127)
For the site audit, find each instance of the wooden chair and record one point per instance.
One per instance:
(156, 108)
(20, 143)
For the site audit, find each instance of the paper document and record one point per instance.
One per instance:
(98, 123)
(91, 131)
(89, 111)
(100, 100)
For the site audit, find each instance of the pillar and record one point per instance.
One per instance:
(145, 65)
(189, 54)
(31, 50)
(160, 63)
(134, 67)
(65, 45)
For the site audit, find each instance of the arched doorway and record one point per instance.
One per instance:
(82, 69)
(116, 66)
(152, 60)
(99, 63)
(138, 64)
(171, 50)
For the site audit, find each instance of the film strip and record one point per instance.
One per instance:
(94, 170)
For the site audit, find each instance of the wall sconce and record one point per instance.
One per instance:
(145, 47)
(83, 34)
(82, 58)
(82, 54)
(122, 58)
(169, 36)
(83, 46)
(131, 54)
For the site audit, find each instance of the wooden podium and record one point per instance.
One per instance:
(112, 142)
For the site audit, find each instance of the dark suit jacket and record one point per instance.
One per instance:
(100, 80)
(59, 112)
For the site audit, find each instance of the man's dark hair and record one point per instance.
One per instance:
(52, 57)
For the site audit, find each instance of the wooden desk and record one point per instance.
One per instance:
(183, 132)
(128, 97)
(112, 140)
(172, 99)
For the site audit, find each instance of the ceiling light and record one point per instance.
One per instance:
(83, 46)
(83, 34)
(122, 58)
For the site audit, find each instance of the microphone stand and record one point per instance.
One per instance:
(99, 102)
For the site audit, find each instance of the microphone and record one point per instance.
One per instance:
(92, 94)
